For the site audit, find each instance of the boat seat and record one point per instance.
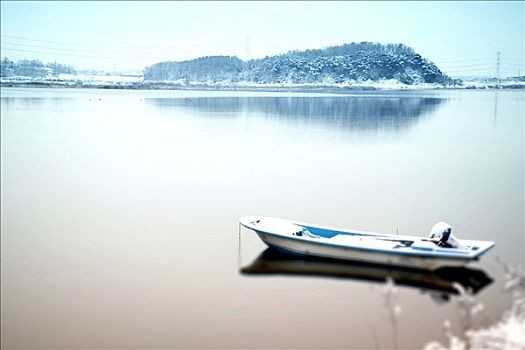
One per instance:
(364, 242)
(423, 245)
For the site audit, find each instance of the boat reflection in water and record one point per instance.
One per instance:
(439, 283)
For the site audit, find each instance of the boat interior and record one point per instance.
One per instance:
(365, 239)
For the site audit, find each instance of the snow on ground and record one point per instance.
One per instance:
(134, 82)
(69, 79)
(390, 84)
(483, 84)
(100, 78)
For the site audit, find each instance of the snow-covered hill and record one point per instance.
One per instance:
(346, 64)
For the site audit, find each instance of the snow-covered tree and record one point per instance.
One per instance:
(337, 64)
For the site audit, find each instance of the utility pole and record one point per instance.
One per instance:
(247, 48)
(498, 57)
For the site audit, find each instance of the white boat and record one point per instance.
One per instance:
(382, 248)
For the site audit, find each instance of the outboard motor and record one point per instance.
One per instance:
(441, 234)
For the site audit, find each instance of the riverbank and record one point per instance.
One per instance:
(134, 83)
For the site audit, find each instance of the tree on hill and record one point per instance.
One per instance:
(32, 68)
(337, 64)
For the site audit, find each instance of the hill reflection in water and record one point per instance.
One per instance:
(346, 112)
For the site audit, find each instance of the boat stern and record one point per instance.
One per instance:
(482, 248)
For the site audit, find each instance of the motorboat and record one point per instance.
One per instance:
(438, 250)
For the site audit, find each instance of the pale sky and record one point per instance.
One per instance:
(462, 38)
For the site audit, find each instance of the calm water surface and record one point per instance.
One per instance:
(120, 210)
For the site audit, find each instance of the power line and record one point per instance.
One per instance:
(469, 65)
(113, 46)
(512, 63)
(514, 59)
(58, 54)
(102, 52)
(481, 68)
(468, 70)
(453, 70)
(476, 62)
(157, 57)
(487, 69)
(466, 60)
(512, 66)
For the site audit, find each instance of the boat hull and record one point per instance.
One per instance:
(309, 248)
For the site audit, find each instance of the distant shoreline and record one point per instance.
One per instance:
(252, 87)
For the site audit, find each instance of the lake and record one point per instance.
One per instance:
(120, 212)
